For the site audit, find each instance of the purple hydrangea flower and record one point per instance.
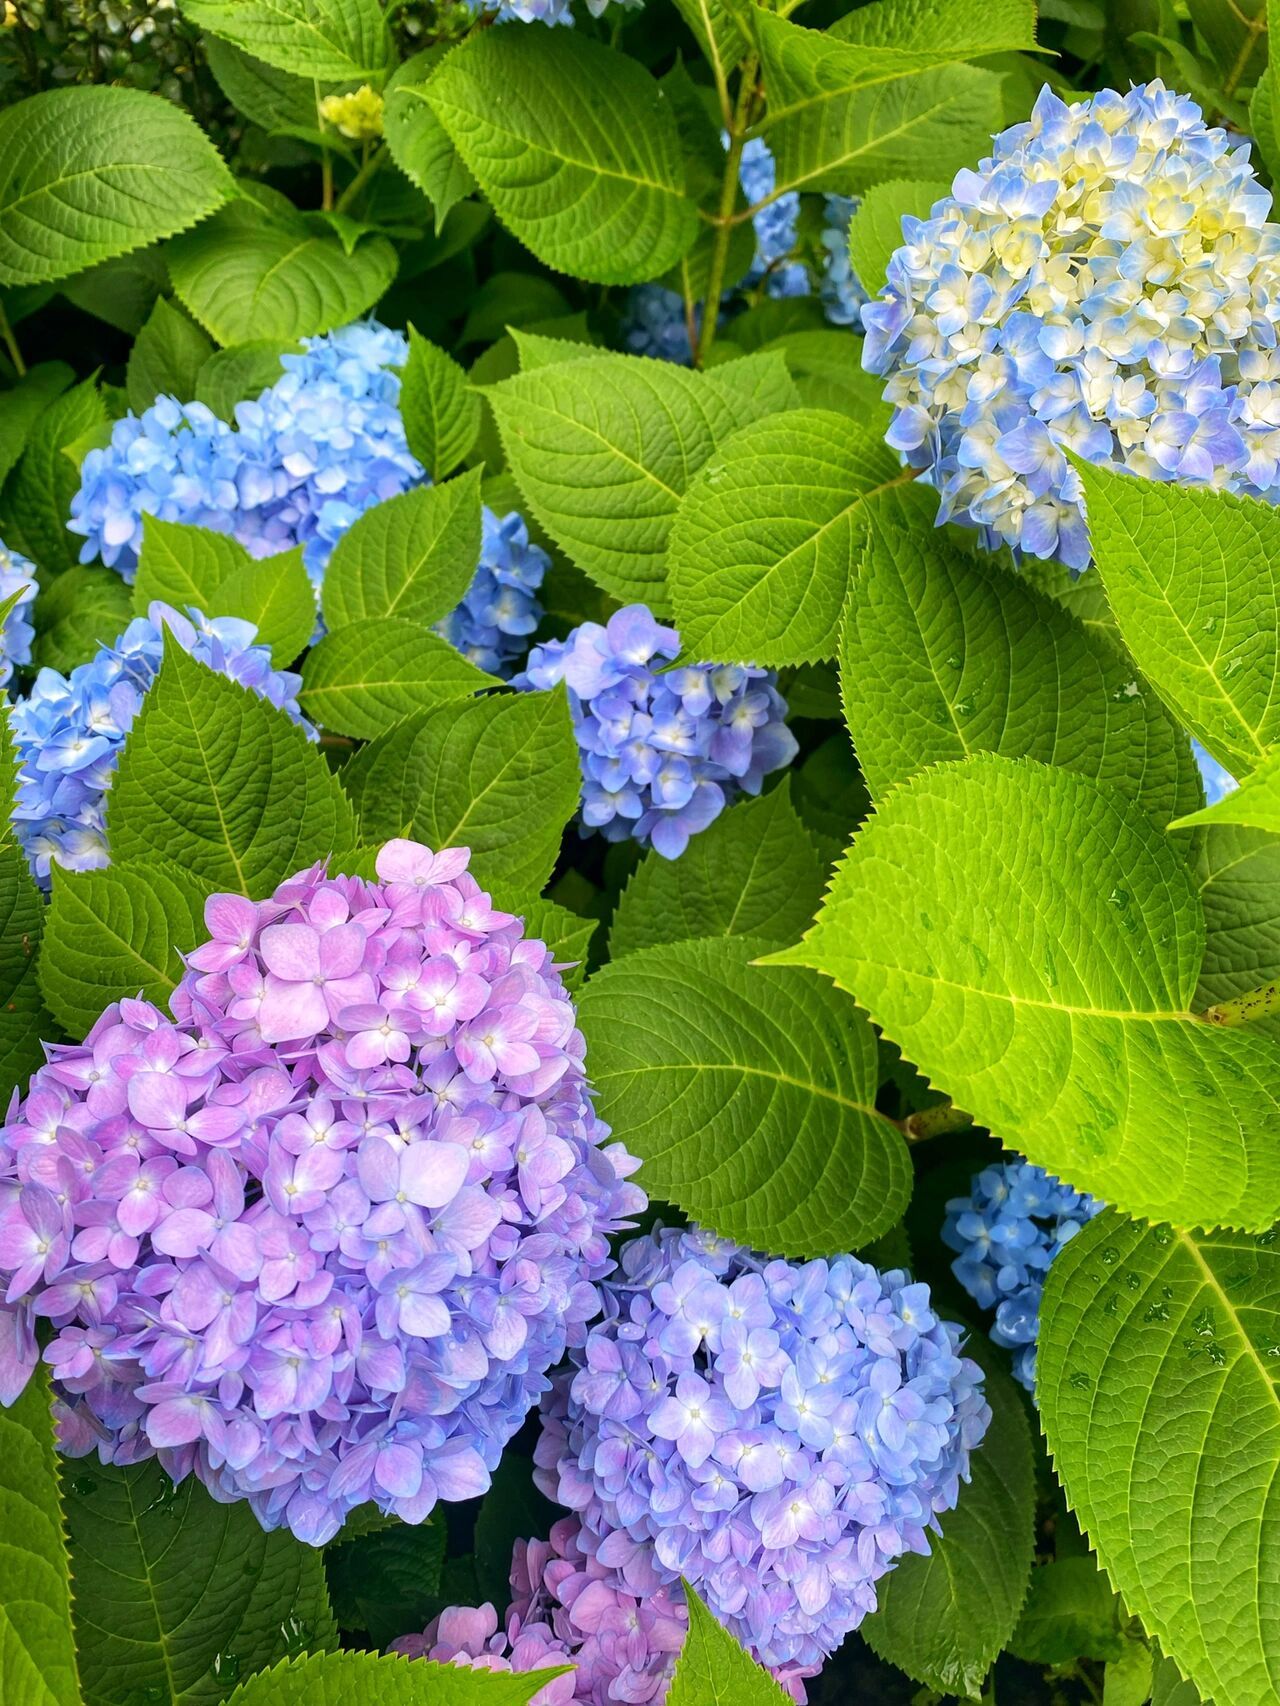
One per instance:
(782, 1512)
(16, 575)
(69, 730)
(1101, 283)
(662, 754)
(1007, 1231)
(305, 1239)
(304, 461)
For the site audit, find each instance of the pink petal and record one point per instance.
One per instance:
(431, 1174)
(291, 1012)
(157, 1100)
(291, 951)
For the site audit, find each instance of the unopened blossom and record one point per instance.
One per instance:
(312, 1269)
(69, 730)
(1007, 1231)
(1105, 282)
(662, 754)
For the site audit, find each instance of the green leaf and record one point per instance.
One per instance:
(274, 594)
(122, 292)
(1071, 1613)
(843, 116)
(1157, 1390)
(713, 1670)
(412, 557)
(166, 358)
(365, 1679)
(89, 173)
(1193, 579)
(831, 795)
(755, 872)
(1168, 1686)
(828, 375)
(748, 1093)
(183, 566)
(37, 1652)
(387, 1582)
(362, 680)
(1238, 874)
(567, 936)
(76, 612)
(1031, 941)
(243, 370)
(498, 775)
(604, 447)
(507, 300)
(421, 147)
(945, 653)
(876, 230)
(1127, 1680)
(943, 1618)
(117, 933)
(337, 40)
(24, 403)
(177, 1595)
(769, 534)
(224, 785)
(1255, 804)
(267, 96)
(576, 147)
(246, 275)
(36, 500)
(719, 35)
(441, 415)
(23, 1019)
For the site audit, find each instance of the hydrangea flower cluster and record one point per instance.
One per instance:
(69, 730)
(1105, 282)
(1007, 1231)
(17, 575)
(662, 754)
(778, 1435)
(568, 1607)
(319, 1237)
(550, 11)
(654, 324)
(841, 290)
(303, 462)
(777, 226)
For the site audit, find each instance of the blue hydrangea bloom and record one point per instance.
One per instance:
(776, 226)
(1218, 782)
(778, 1434)
(662, 754)
(549, 11)
(69, 729)
(654, 324)
(1105, 283)
(16, 575)
(1007, 1231)
(304, 461)
(840, 289)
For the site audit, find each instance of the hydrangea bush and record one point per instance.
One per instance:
(640, 654)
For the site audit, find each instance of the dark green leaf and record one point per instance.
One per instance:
(166, 359)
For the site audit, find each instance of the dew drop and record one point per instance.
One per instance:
(226, 1666)
(1081, 1381)
(1209, 625)
(1266, 1239)
(1233, 666)
(1156, 1312)
(83, 1485)
(965, 707)
(1204, 1323)
(1133, 1282)
(1110, 1255)
(1217, 1356)
(1112, 1305)
(955, 661)
(926, 923)
(1163, 1235)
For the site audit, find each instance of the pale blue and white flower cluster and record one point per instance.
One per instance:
(1107, 282)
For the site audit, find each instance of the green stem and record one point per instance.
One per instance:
(1257, 25)
(936, 1121)
(326, 182)
(1243, 1009)
(11, 344)
(370, 169)
(724, 219)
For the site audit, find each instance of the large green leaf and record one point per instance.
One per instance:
(843, 115)
(423, 150)
(749, 1094)
(1157, 1389)
(76, 612)
(36, 500)
(944, 1617)
(117, 933)
(1238, 875)
(576, 147)
(24, 1021)
(498, 775)
(387, 1582)
(362, 680)
(566, 934)
(1071, 1613)
(365, 1679)
(412, 557)
(37, 1652)
(94, 172)
(769, 534)
(713, 1670)
(249, 274)
(224, 785)
(24, 403)
(194, 567)
(441, 415)
(166, 357)
(327, 39)
(176, 1595)
(1032, 942)
(240, 371)
(876, 230)
(1193, 578)
(264, 94)
(604, 447)
(944, 654)
(755, 872)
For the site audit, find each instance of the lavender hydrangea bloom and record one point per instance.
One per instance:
(661, 754)
(1007, 1231)
(69, 730)
(319, 1237)
(1104, 283)
(550, 11)
(16, 575)
(778, 1435)
(304, 461)
(1218, 781)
